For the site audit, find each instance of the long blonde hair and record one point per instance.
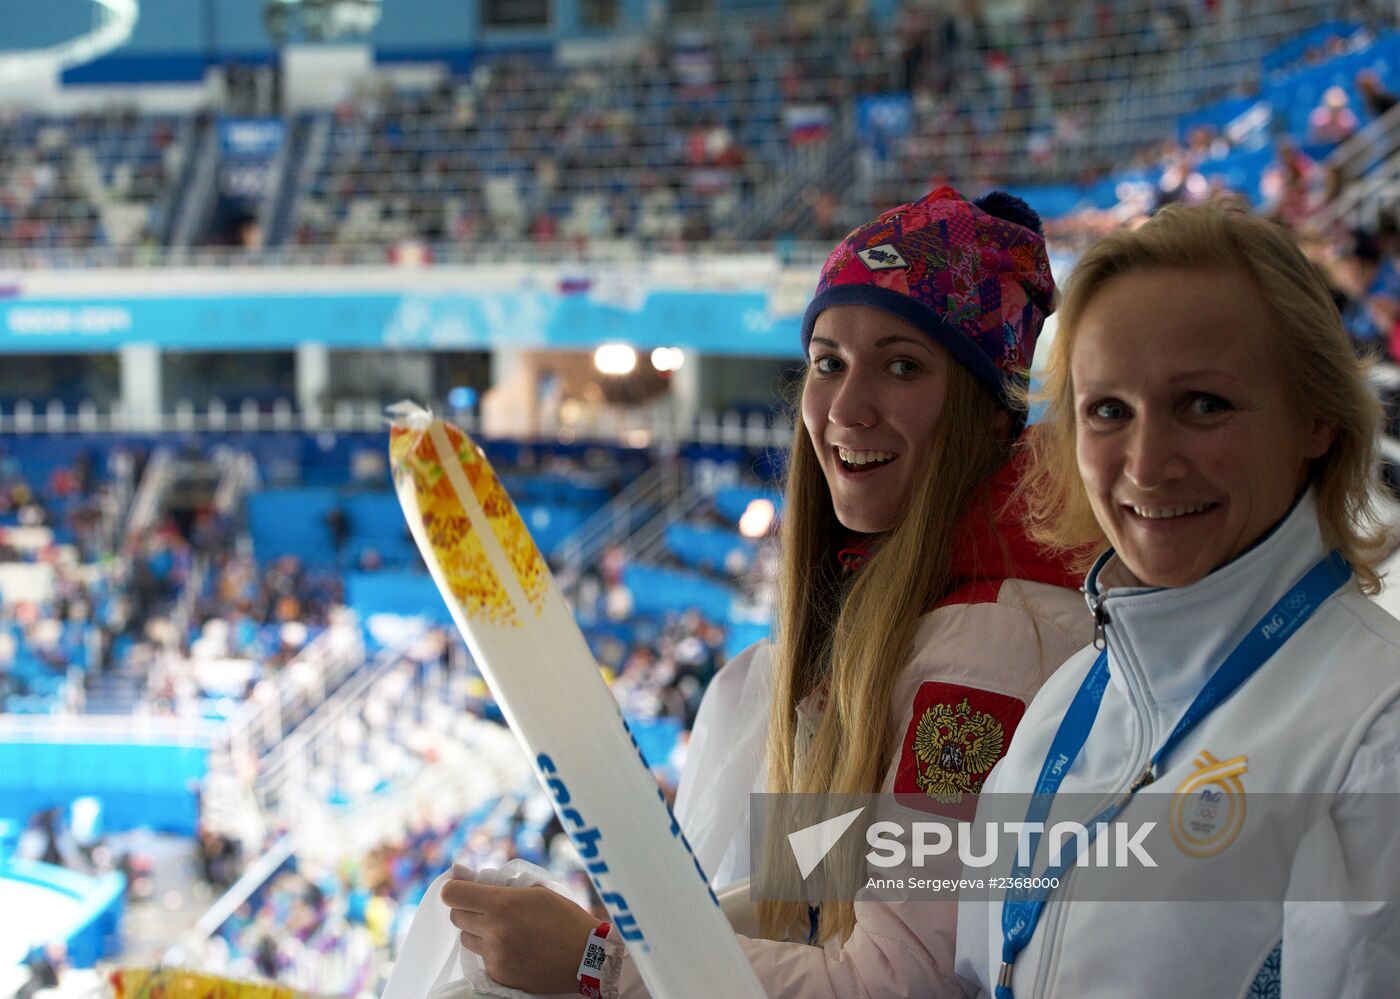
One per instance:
(1326, 381)
(856, 634)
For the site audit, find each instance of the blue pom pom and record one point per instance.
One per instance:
(1011, 209)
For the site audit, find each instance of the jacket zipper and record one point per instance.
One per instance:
(1140, 775)
(1100, 618)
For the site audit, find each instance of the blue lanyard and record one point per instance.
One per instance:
(1022, 908)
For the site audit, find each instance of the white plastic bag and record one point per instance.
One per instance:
(432, 963)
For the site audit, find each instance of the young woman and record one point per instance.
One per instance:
(908, 591)
(1209, 423)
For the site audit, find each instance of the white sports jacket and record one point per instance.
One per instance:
(988, 645)
(1321, 715)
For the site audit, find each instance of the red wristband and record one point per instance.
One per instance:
(590, 969)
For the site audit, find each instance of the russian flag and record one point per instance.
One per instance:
(807, 122)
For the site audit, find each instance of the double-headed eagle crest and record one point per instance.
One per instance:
(955, 747)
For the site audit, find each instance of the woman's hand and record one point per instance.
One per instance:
(529, 938)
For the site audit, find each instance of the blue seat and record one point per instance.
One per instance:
(410, 594)
(659, 591)
(713, 548)
(292, 522)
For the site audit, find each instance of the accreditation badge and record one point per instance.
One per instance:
(1208, 809)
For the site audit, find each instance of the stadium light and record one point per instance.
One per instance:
(757, 518)
(462, 397)
(667, 358)
(321, 20)
(615, 359)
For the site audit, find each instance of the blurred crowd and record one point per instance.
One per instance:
(673, 141)
(90, 180)
(332, 928)
(61, 604)
(198, 626)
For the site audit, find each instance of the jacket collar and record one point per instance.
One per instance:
(990, 542)
(1166, 642)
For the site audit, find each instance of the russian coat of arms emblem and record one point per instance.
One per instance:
(955, 747)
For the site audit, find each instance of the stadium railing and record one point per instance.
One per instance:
(1366, 169)
(262, 723)
(150, 491)
(641, 500)
(633, 428)
(620, 250)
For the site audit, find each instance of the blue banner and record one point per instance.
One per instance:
(248, 150)
(883, 118)
(250, 138)
(738, 322)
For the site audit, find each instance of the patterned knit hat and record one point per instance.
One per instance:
(972, 275)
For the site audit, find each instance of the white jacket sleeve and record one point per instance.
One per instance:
(1351, 949)
(724, 765)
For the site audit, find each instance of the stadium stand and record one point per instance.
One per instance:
(737, 130)
(91, 180)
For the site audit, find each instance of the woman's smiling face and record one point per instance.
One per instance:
(871, 403)
(1189, 443)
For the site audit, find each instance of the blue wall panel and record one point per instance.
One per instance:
(140, 785)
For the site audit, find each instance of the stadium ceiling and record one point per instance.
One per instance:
(115, 20)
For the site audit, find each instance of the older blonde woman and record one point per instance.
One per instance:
(1210, 425)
